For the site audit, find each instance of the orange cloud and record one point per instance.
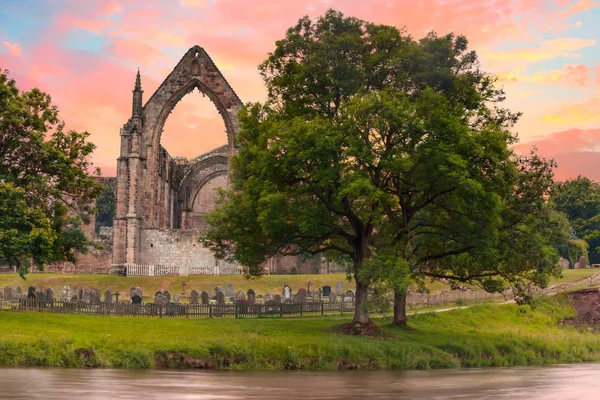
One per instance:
(588, 111)
(14, 49)
(547, 50)
(570, 75)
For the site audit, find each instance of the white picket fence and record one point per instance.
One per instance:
(181, 270)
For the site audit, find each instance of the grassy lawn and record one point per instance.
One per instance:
(480, 336)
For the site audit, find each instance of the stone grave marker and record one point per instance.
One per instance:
(80, 294)
(19, 292)
(194, 297)
(582, 262)
(167, 295)
(87, 295)
(229, 292)
(339, 287)
(251, 296)
(136, 299)
(66, 293)
(176, 299)
(277, 299)
(220, 297)
(50, 294)
(287, 293)
(8, 293)
(332, 297)
(309, 289)
(108, 296)
(241, 296)
(217, 290)
(40, 295)
(326, 290)
(349, 296)
(205, 298)
(31, 293)
(268, 297)
(159, 299)
(300, 296)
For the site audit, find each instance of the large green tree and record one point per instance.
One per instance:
(47, 172)
(579, 199)
(387, 152)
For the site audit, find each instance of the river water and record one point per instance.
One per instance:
(558, 382)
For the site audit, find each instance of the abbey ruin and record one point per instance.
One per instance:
(161, 199)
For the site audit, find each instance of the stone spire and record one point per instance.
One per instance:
(137, 96)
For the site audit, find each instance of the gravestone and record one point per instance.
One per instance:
(136, 299)
(277, 299)
(220, 297)
(287, 293)
(157, 293)
(31, 293)
(309, 289)
(108, 296)
(240, 296)
(159, 299)
(217, 290)
(96, 296)
(40, 295)
(326, 290)
(229, 290)
(332, 297)
(251, 296)
(194, 297)
(19, 292)
(205, 297)
(267, 297)
(176, 299)
(339, 287)
(8, 293)
(131, 291)
(50, 294)
(80, 294)
(582, 263)
(87, 295)
(167, 295)
(66, 294)
(349, 296)
(300, 296)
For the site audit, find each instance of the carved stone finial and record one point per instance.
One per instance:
(138, 83)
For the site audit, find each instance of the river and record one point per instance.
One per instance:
(558, 382)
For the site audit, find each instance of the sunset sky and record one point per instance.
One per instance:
(86, 54)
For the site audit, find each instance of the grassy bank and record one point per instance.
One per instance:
(481, 336)
(272, 283)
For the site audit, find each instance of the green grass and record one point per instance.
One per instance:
(480, 336)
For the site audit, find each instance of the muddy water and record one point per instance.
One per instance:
(560, 382)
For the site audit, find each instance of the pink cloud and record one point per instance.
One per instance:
(576, 151)
(13, 48)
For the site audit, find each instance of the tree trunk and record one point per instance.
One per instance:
(399, 307)
(361, 315)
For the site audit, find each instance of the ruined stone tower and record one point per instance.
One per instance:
(156, 194)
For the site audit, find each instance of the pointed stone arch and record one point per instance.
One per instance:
(148, 178)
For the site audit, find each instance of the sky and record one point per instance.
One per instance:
(85, 54)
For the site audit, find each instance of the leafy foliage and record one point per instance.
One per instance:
(579, 199)
(389, 152)
(46, 168)
(105, 204)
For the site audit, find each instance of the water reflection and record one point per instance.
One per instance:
(561, 382)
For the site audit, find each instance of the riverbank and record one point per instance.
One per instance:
(480, 336)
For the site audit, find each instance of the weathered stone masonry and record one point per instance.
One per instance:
(156, 191)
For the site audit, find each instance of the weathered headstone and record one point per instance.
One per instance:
(136, 299)
(8, 293)
(19, 292)
(50, 294)
(87, 295)
(251, 296)
(277, 299)
(40, 295)
(229, 292)
(241, 296)
(332, 297)
(582, 263)
(176, 299)
(205, 298)
(217, 290)
(159, 299)
(349, 296)
(220, 297)
(339, 287)
(80, 294)
(326, 290)
(108, 296)
(96, 296)
(167, 295)
(287, 293)
(66, 294)
(267, 297)
(194, 297)
(300, 296)
(309, 288)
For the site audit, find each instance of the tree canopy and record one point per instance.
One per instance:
(390, 153)
(579, 199)
(44, 172)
